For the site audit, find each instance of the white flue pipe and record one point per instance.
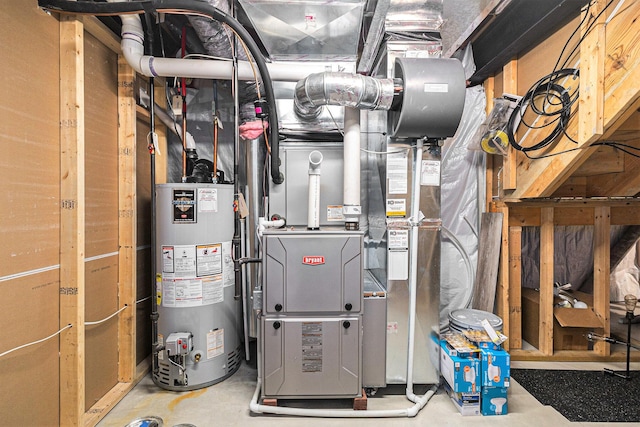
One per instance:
(313, 210)
(351, 146)
(133, 50)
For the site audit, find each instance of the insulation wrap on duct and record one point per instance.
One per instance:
(349, 90)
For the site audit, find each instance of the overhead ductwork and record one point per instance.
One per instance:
(348, 90)
(307, 30)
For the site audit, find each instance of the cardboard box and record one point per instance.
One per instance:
(461, 373)
(495, 367)
(570, 325)
(465, 403)
(455, 344)
(493, 401)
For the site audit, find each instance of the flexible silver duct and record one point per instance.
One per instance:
(349, 90)
(212, 34)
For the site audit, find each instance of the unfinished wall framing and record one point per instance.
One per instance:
(74, 248)
(592, 186)
(547, 214)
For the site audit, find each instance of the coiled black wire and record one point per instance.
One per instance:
(557, 103)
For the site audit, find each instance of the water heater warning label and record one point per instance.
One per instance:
(215, 343)
(208, 259)
(207, 200)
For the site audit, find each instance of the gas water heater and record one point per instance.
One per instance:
(199, 315)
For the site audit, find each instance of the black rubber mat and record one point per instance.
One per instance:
(587, 396)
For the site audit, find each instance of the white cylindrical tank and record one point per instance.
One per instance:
(199, 318)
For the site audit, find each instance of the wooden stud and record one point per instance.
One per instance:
(515, 287)
(161, 157)
(546, 281)
(100, 31)
(72, 222)
(601, 271)
(502, 294)
(509, 180)
(127, 229)
(489, 88)
(592, 58)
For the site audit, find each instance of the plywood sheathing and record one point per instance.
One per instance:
(621, 98)
(102, 219)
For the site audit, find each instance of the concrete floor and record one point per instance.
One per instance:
(227, 404)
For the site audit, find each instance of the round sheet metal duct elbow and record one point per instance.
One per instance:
(345, 89)
(433, 98)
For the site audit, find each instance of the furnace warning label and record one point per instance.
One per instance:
(215, 343)
(396, 207)
(430, 173)
(334, 213)
(311, 347)
(208, 259)
(398, 239)
(397, 173)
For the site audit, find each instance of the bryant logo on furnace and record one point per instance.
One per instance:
(313, 260)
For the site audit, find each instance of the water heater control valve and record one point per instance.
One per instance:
(179, 343)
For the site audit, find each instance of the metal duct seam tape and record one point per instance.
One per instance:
(433, 98)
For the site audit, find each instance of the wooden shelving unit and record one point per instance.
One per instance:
(547, 214)
(586, 185)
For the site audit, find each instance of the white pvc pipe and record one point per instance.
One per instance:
(412, 411)
(264, 223)
(351, 184)
(414, 221)
(256, 408)
(150, 66)
(313, 208)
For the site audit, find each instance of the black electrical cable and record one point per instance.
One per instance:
(552, 90)
(625, 148)
(547, 88)
(187, 7)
